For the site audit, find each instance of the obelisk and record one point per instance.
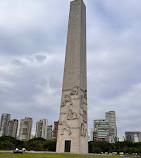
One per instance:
(72, 129)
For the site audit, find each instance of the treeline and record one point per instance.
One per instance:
(127, 147)
(37, 144)
(40, 144)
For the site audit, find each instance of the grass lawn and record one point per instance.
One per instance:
(46, 155)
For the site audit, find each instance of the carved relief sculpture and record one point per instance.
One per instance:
(85, 116)
(67, 99)
(65, 127)
(71, 115)
(82, 130)
(75, 90)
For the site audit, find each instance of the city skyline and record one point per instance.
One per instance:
(32, 54)
(103, 129)
(22, 129)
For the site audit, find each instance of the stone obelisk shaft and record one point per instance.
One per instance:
(72, 130)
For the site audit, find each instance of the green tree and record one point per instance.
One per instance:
(49, 145)
(7, 145)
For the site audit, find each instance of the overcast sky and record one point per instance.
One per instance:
(32, 51)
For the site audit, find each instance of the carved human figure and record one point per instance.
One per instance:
(71, 115)
(82, 130)
(67, 100)
(65, 127)
(75, 90)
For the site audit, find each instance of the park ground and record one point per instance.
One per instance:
(51, 155)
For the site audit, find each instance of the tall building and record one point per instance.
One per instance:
(12, 128)
(106, 129)
(5, 118)
(25, 129)
(72, 128)
(133, 136)
(55, 130)
(41, 128)
(91, 134)
(111, 118)
(49, 132)
(101, 130)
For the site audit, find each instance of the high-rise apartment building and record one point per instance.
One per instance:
(12, 128)
(41, 128)
(101, 130)
(5, 118)
(111, 118)
(55, 130)
(49, 132)
(133, 136)
(106, 130)
(25, 129)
